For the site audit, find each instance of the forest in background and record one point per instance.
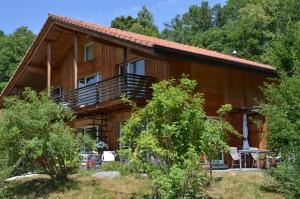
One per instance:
(257, 29)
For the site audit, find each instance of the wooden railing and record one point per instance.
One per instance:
(131, 85)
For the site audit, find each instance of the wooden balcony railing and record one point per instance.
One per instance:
(134, 86)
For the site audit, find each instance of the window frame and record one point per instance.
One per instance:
(98, 75)
(130, 62)
(91, 44)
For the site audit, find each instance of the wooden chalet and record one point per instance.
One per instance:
(89, 67)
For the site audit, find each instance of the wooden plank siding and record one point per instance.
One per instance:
(219, 84)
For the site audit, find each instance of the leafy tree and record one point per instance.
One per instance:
(175, 31)
(34, 136)
(217, 16)
(198, 18)
(12, 49)
(167, 136)
(248, 26)
(282, 108)
(143, 24)
(123, 23)
(284, 51)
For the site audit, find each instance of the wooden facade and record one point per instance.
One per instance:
(220, 82)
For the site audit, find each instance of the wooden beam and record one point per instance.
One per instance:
(75, 60)
(36, 70)
(49, 68)
(125, 60)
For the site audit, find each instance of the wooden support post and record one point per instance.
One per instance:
(75, 60)
(49, 68)
(125, 61)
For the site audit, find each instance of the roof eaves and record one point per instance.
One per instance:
(268, 69)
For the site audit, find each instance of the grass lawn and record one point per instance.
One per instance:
(84, 185)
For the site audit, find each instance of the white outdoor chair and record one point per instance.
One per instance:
(108, 156)
(255, 157)
(235, 156)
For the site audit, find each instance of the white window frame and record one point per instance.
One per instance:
(98, 75)
(85, 47)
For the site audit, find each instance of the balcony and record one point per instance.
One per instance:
(134, 86)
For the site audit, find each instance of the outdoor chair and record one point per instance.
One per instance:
(235, 156)
(255, 157)
(108, 156)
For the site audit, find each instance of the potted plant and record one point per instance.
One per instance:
(101, 146)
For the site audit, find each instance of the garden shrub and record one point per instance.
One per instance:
(165, 139)
(34, 136)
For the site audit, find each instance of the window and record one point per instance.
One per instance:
(134, 67)
(89, 80)
(88, 52)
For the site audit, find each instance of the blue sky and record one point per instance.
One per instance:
(33, 13)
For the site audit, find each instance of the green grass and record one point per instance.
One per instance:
(248, 185)
(84, 185)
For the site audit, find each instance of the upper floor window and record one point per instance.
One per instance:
(135, 67)
(88, 52)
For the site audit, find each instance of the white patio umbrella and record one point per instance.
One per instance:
(245, 132)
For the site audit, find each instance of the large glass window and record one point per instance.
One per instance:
(88, 52)
(134, 67)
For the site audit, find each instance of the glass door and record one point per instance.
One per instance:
(135, 88)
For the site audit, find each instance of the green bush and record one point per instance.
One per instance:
(288, 174)
(34, 137)
(165, 138)
(184, 180)
(85, 142)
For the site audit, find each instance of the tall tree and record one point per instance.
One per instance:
(143, 24)
(12, 49)
(123, 23)
(217, 16)
(175, 30)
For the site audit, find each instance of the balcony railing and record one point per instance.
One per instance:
(131, 85)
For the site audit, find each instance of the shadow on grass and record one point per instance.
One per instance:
(36, 188)
(270, 188)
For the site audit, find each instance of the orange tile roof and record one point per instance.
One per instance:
(152, 42)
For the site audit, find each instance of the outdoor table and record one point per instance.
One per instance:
(247, 151)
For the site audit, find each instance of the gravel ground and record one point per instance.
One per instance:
(107, 174)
